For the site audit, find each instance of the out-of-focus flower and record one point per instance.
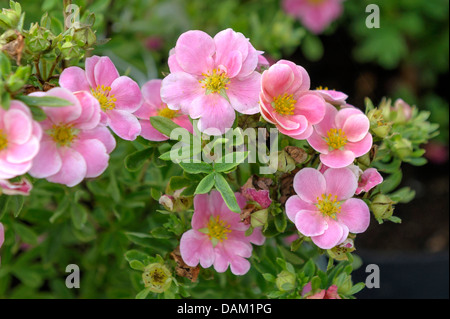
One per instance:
(153, 106)
(324, 209)
(154, 43)
(23, 187)
(341, 136)
(73, 145)
(118, 96)
(211, 78)
(218, 236)
(436, 152)
(315, 15)
(19, 140)
(2, 235)
(176, 202)
(287, 101)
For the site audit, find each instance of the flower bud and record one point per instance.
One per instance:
(285, 280)
(39, 39)
(402, 147)
(285, 162)
(84, 37)
(378, 125)
(9, 18)
(402, 111)
(382, 207)
(259, 218)
(157, 277)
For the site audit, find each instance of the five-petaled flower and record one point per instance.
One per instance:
(211, 78)
(218, 236)
(324, 208)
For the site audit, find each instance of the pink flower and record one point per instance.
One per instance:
(18, 188)
(153, 106)
(287, 102)
(368, 180)
(315, 15)
(119, 96)
(2, 235)
(341, 136)
(218, 236)
(330, 293)
(211, 78)
(332, 96)
(73, 146)
(324, 209)
(19, 140)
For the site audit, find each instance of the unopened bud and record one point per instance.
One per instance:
(285, 163)
(285, 280)
(382, 207)
(259, 218)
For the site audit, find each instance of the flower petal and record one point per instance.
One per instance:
(355, 215)
(331, 237)
(310, 223)
(309, 184)
(341, 182)
(124, 124)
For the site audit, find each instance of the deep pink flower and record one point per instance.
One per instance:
(218, 236)
(330, 293)
(73, 146)
(368, 180)
(211, 78)
(287, 101)
(315, 15)
(324, 209)
(341, 136)
(119, 96)
(153, 106)
(19, 140)
(23, 187)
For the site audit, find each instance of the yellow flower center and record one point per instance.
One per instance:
(63, 134)
(166, 112)
(322, 88)
(102, 94)
(316, 2)
(284, 104)
(328, 205)
(218, 229)
(215, 81)
(336, 138)
(3, 141)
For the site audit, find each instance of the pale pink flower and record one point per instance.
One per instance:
(403, 109)
(287, 101)
(330, 293)
(153, 106)
(19, 140)
(218, 236)
(23, 187)
(73, 146)
(332, 96)
(341, 136)
(119, 96)
(324, 209)
(315, 15)
(366, 180)
(211, 78)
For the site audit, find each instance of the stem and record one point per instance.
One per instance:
(50, 73)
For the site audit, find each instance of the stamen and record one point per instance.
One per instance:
(284, 104)
(328, 205)
(102, 94)
(166, 112)
(336, 138)
(215, 81)
(218, 229)
(63, 134)
(3, 141)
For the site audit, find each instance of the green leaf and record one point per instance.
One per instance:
(26, 233)
(356, 288)
(178, 182)
(196, 168)
(4, 201)
(134, 161)
(166, 126)
(137, 265)
(47, 101)
(229, 161)
(280, 222)
(390, 183)
(143, 293)
(227, 194)
(79, 215)
(205, 184)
